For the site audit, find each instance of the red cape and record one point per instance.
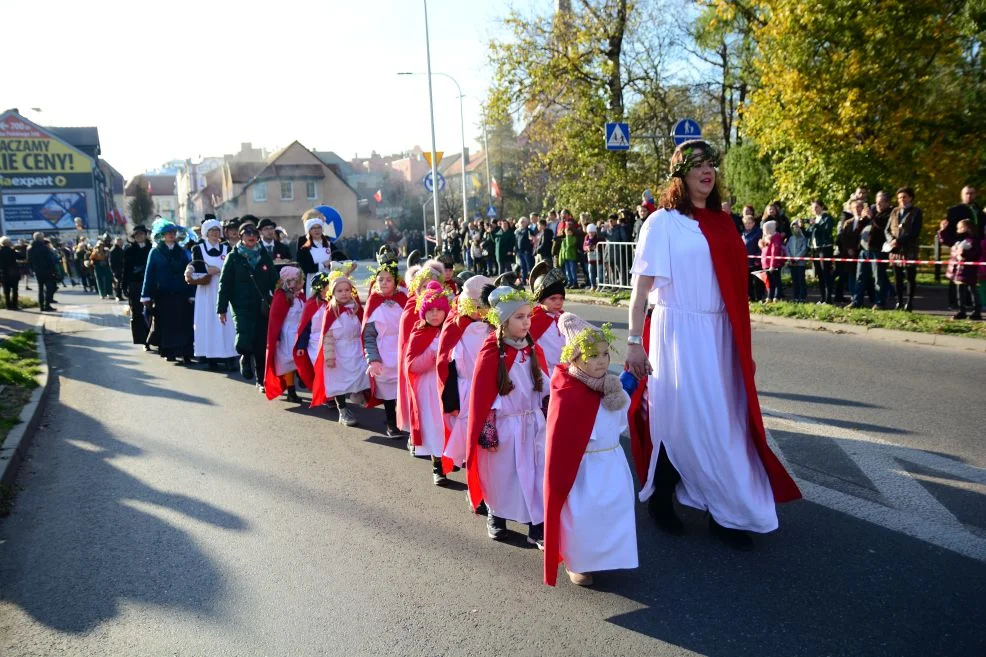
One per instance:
(451, 286)
(303, 363)
(481, 397)
(729, 261)
(571, 416)
(372, 303)
(318, 385)
(408, 318)
(279, 308)
(452, 331)
(422, 336)
(638, 418)
(540, 321)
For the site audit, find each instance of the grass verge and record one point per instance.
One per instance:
(19, 368)
(887, 319)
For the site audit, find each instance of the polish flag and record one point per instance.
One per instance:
(495, 188)
(378, 197)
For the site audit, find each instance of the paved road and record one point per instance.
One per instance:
(167, 511)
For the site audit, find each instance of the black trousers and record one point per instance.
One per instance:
(46, 291)
(10, 292)
(823, 273)
(257, 349)
(138, 327)
(390, 412)
(909, 275)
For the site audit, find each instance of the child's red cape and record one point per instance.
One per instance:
(483, 393)
(279, 308)
(302, 363)
(452, 331)
(571, 416)
(318, 385)
(422, 336)
(540, 321)
(408, 318)
(372, 303)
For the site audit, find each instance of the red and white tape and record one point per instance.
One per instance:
(896, 262)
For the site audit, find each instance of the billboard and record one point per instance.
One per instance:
(30, 157)
(26, 213)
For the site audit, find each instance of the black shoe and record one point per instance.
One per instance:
(171, 359)
(394, 432)
(535, 535)
(909, 306)
(496, 528)
(212, 365)
(661, 510)
(734, 538)
(976, 316)
(346, 418)
(899, 306)
(292, 396)
(261, 389)
(960, 315)
(246, 367)
(482, 509)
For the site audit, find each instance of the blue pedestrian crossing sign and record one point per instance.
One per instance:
(686, 130)
(430, 185)
(617, 136)
(491, 212)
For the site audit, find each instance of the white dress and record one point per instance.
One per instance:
(429, 408)
(349, 374)
(551, 343)
(212, 338)
(386, 318)
(697, 398)
(284, 356)
(323, 258)
(464, 354)
(598, 525)
(513, 476)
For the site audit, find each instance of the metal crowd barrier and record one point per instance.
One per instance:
(613, 264)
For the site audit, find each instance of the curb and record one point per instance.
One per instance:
(881, 334)
(20, 436)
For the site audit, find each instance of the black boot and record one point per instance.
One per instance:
(246, 366)
(496, 528)
(734, 538)
(437, 472)
(535, 535)
(292, 396)
(661, 504)
(390, 413)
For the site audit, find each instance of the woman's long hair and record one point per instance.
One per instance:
(675, 195)
(504, 385)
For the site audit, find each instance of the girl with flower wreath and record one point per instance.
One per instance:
(589, 521)
(506, 428)
(381, 325)
(427, 423)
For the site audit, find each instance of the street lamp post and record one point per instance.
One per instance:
(462, 133)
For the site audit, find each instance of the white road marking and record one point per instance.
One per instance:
(75, 312)
(910, 509)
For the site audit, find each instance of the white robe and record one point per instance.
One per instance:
(349, 374)
(464, 354)
(551, 343)
(386, 318)
(697, 399)
(513, 476)
(598, 522)
(284, 356)
(323, 258)
(212, 338)
(429, 409)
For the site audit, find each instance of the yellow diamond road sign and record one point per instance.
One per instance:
(438, 157)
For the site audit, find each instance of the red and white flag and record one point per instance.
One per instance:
(495, 188)
(378, 197)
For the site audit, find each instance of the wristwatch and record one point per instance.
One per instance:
(635, 339)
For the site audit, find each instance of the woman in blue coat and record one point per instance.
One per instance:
(166, 294)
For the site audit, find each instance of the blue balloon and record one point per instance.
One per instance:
(333, 221)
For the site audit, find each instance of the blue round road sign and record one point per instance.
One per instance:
(333, 221)
(686, 130)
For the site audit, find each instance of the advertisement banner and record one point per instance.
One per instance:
(27, 152)
(26, 213)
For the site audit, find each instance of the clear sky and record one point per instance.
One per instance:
(183, 78)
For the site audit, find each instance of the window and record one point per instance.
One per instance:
(287, 191)
(310, 193)
(260, 192)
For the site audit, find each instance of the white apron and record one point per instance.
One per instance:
(323, 259)
(696, 394)
(429, 408)
(513, 476)
(551, 343)
(284, 356)
(349, 373)
(597, 523)
(386, 319)
(212, 338)
(464, 354)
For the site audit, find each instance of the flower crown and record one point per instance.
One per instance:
(515, 295)
(426, 274)
(389, 267)
(586, 343)
(693, 156)
(421, 298)
(469, 307)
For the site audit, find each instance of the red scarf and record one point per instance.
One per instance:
(279, 307)
(329, 318)
(483, 393)
(571, 417)
(421, 338)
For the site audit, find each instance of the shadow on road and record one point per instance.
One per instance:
(816, 399)
(94, 541)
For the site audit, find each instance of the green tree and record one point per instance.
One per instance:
(748, 176)
(141, 206)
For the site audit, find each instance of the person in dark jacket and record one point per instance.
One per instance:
(116, 268)
(545, 238)
(270, 243)
(172, 298)
(820, 238)
(42, 261)
(246, 283)
(10, 271)
(904, 233)
(965, 210)
(505, 245)
(134, 263)
(751, 238)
